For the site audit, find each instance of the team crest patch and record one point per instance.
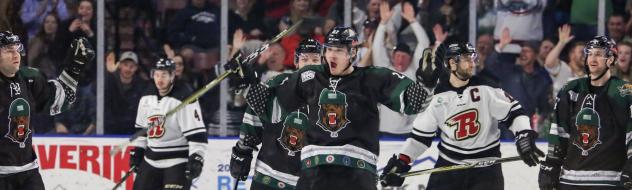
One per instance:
(156, 125)
(332, 114)
(307, 75)
(588, 123)
(292, 136)
(19, 121)
(361, 164)
(626, 89)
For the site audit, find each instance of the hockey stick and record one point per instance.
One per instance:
(210, 85)
(124, 178)
(460, 167)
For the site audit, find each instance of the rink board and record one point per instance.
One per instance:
(68, 163)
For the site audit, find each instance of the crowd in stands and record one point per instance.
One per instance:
(530, 48)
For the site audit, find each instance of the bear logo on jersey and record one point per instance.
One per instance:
(332, 114)
(292, 136)
(19, 121)
(156, 123)
(587, 122)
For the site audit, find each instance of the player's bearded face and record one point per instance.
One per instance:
(596, 60)
(10, 58)
(308, 59)
(466, 66)
(162, 79)
(338, 59)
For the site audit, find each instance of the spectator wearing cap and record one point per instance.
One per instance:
(123, 90)
(525, 79)
(401, 59)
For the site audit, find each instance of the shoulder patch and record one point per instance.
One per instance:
(307, 75)
(625, 89)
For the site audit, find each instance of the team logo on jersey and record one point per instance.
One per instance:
(332, 114)
(466, 124)
(19, 121)
(588, 123)
(292, 136)
(156, 125)
(626, 89)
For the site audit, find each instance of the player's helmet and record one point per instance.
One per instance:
(165, 64)
(602, 42)
(8, 38)
(308, 45)
(341, 36)
(457, 49)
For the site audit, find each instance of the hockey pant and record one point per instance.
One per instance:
(26, 180)
(152, 178)
(486, 178)
(336, 177)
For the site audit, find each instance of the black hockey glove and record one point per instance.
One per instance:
(240, 161)
(549, 176)
(626, 174)
(79, 54)
(136, 156)
(250, 76)
(389, 175)
(525, 142)
(194, 166)
(431, 66)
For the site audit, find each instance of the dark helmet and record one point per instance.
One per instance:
(602, 42)
(308, 45)
(165, 64)
(341, 35)
(457, 49)
(8, 38)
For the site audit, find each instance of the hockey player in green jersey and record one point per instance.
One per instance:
(589, 142)
(342, 140)
(26, 91)
(278, 161)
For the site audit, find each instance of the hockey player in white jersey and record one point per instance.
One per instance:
(464, 110)
(171, 154)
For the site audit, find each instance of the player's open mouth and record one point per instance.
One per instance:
(293, 139)
(333, 65)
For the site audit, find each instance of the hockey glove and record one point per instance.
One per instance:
(389, 175)
(136, 156)
(626, 174)
(250, 76)
(240, 161)
(525, 142)
(431, 66)
(80, 53)
(549, 176)
(194, 166)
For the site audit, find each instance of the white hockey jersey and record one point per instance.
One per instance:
(169, 141)
(467, 120)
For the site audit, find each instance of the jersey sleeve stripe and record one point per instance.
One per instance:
(195, 130)
(422, 139)
(252, 120)
(559, 131)
(422, 133)
(139, 126)
(197, 137)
